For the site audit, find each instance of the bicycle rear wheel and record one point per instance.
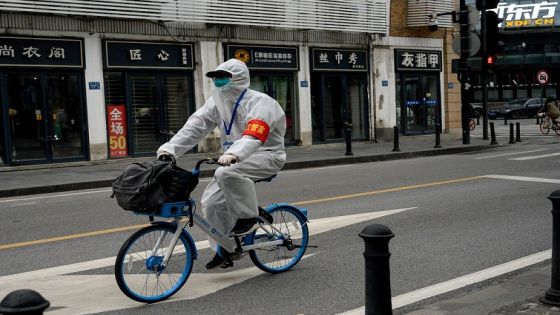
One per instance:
(295, 233)
(139, 269)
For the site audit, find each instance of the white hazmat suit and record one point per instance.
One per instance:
(252, 127)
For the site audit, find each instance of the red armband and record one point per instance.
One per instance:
(258, 129)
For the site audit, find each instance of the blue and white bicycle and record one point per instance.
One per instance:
(156, 261)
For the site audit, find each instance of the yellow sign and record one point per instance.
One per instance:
(243, 55)
(535, 22)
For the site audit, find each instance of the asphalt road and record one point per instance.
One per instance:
(462, 221)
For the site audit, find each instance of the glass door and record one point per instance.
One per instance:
(4, 125)
(339, 100)
(281, 88)
(65, 126)
(421, 110)
(27, 116)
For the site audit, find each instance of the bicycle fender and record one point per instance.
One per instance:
(272, 206)
(185, 234)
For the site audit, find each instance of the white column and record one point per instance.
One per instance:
(304, 97)
(95, 99)
(385, 98)
(209, 56)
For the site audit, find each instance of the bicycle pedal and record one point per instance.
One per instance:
(251, 230)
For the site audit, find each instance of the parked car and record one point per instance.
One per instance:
(476, 108)
(522, 107)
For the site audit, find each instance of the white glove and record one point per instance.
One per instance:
(227, 159)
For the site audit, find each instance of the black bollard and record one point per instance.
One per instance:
(438, 140)
(477, 120)
(23, 301)
(552, 295)
(348, 130)
(396, 139)
(517, 132)
(378, 281)
(511, 140)
(492, 134)
(505, 120)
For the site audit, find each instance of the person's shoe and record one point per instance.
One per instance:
(219, 261)
(265, 215)
(244, 225)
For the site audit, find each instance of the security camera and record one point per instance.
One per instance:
(432, 22)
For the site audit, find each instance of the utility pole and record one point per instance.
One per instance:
(464, 71)
(484, 73)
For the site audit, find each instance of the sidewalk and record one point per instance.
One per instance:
(47, 178)
(515, 294)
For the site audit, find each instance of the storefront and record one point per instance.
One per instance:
(42, 110)
(418, 105)
(148, 94)
(339, 98)
(530, 44)
(273, 71)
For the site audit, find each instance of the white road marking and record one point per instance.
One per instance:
(68, 291)
(534, 157)
(507, 154)
(524, 178)
(461, 282)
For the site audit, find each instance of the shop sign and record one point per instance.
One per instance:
(407, 60)
(265, 57)
(533, 14)
(146, 55)
(41, 52)
(116, 123)
(340, 60)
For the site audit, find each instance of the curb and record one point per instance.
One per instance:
(106, 183)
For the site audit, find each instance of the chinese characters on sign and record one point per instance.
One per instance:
(340, 59)
(116, 123)
(526, 15)
(19, 51)
(265, 57)
(418, 60)
(148, 55)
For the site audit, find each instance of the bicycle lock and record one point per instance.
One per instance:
(377, 277)
(552, 295)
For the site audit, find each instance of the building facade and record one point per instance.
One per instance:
(530, 43)
(94, 81)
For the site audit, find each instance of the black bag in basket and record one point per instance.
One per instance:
(145, 186)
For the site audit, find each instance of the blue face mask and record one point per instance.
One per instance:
(221, 81)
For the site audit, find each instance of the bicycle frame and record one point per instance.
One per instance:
(224, 241)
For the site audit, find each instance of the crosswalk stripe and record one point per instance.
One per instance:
(524, 179)
(534, 157)
(507, 154)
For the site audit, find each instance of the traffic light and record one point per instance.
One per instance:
(486, 4)
(492, 32)
(490, 60)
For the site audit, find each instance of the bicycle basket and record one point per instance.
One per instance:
(178, 183)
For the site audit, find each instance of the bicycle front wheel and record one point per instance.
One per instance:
(292, 228)
(140, 271)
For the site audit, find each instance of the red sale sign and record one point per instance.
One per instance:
(116, 124)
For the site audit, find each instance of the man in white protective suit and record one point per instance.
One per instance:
(252, 127)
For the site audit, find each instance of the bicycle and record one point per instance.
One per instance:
(472, 124)
(151, 266)
(547, 123)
